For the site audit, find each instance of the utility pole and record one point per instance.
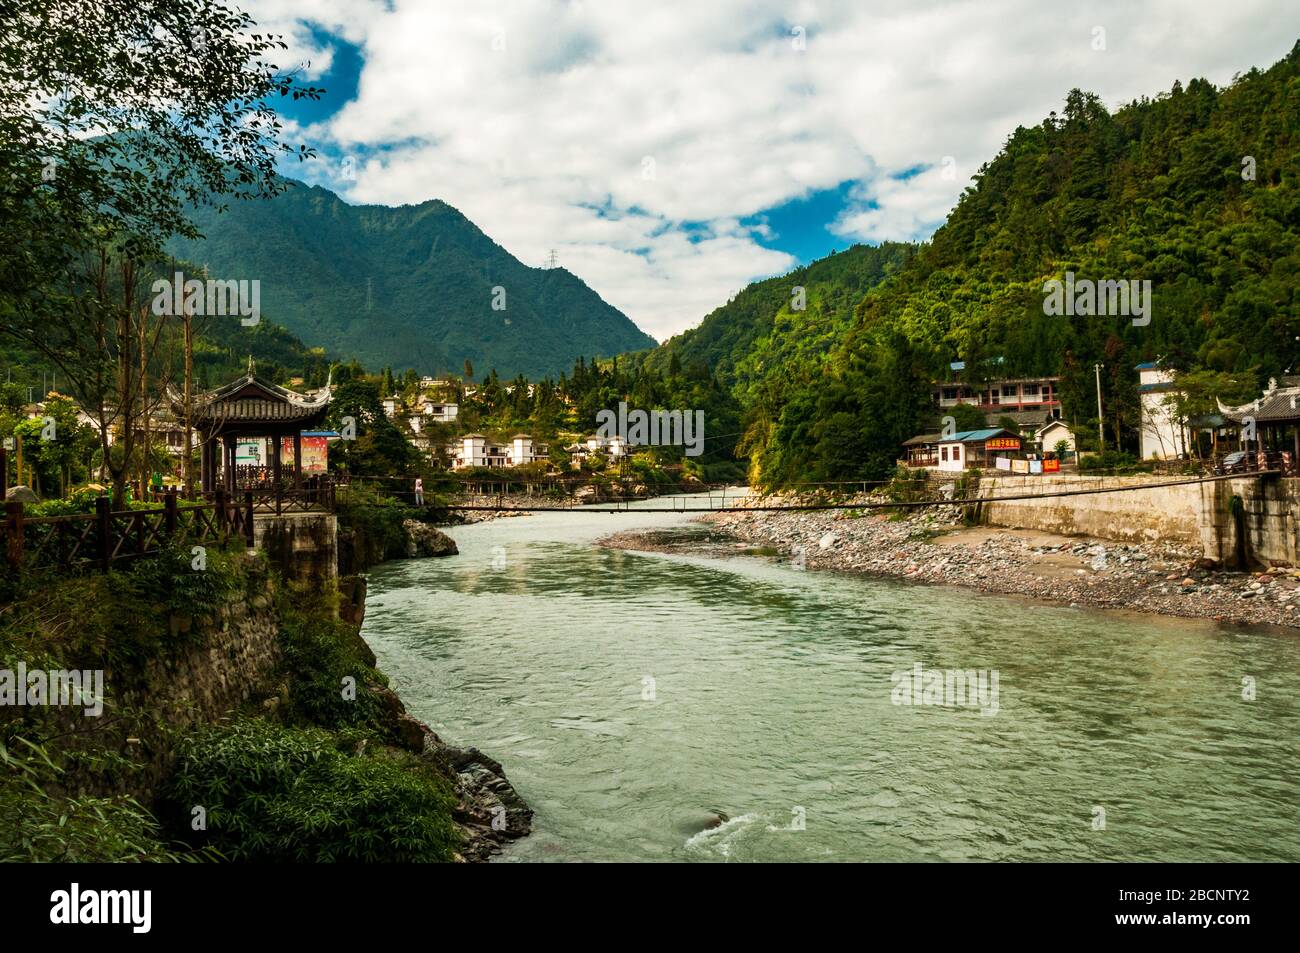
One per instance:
(187, 456)
(1101, 420)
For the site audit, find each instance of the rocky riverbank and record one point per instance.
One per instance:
(489, 812)
(935, 548)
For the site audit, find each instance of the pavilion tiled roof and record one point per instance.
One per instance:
(1276, 405)
(252, 400)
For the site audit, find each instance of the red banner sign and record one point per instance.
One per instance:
(1051, 466)
(1003, 443)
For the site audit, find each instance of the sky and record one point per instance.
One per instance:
(672, 152)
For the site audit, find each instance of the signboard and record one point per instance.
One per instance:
(251, 453)
(1035, 466)
(1002, 463)
(1051, 466)
(315, 454)
(1002, 443)
(1019, 466)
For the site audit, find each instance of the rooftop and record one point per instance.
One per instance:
(975, 436)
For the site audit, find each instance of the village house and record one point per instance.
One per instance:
(1162, 435)
(922, 451)
(1027, 395)
(166, 429)
(438, 411)
(613, 447)
(977, 449)
(476, 450)
(1055, 432)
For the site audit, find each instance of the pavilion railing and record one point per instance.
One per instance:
(81, 541)
(312, 497)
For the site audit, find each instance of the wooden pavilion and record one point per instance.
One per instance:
(250, 407)
(1270, 425)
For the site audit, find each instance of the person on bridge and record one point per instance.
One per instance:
(419, 491)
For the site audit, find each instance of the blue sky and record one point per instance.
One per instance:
(670, 154)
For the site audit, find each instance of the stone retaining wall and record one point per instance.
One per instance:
(1257, 530)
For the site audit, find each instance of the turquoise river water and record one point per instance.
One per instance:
(630, 697)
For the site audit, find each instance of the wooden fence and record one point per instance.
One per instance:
(99, 539)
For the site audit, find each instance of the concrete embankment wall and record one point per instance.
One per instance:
(304, 547)
(1240, 523)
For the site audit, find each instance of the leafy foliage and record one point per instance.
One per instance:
(39, 826)
(319, 653)
(301, 794)
(118, 619)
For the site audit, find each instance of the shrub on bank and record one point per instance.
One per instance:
(376, 519)
(319, 653)
(37, 826)
(272, 793)
(1113, 461)
(119, 618)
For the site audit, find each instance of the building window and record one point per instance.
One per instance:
(943, 454)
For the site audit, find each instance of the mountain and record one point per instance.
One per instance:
(762, 329)
(1196, 191)
(411, 286)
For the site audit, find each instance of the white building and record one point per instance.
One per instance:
(1054, 432)
(1163, 435)
(438, 411)
(390, 406)
(476, 450)
(523, 450)
(613, 447)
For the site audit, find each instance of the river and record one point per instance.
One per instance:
(631, 696)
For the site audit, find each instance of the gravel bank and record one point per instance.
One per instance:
(932, 547)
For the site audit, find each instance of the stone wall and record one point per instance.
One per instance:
(302, 546)
(1167, 512)
(216, 663)
(1258, 529)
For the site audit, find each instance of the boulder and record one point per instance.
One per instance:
(423, 540)
(22, 494)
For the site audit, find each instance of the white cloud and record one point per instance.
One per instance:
(603, 129)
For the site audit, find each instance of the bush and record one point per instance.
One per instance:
(292, 794)
(119, 618)
(376, 518)
(319, 652)
(1115, 461)
(39, 827)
